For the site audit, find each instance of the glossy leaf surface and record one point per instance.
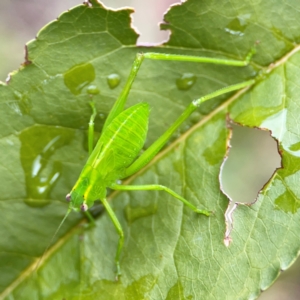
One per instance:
(169, 252)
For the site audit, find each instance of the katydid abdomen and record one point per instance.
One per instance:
(125, 136)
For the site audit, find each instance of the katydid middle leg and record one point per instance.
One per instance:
(158, 187)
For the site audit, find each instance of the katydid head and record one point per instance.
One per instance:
(77, 201)
(87, 190)
(79, 194)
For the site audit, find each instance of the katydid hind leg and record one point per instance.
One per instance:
(118, 106)
(121, 101)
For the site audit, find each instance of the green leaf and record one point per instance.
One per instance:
(170, 252)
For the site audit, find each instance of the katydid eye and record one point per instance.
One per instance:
(84, 207)
(68, 197)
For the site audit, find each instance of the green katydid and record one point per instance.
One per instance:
(116, 154)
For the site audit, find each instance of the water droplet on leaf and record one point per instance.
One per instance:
(133, 213)
(41, 173)
(186, 81)
(78, 77)
(113, 80)
(102, 116)
(238, 25)
(92, 90)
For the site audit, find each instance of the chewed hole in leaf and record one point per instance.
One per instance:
(252, 160)
(149, 31)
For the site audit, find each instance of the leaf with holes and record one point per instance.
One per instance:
(169, 252)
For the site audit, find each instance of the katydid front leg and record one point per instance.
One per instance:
(120, 232)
